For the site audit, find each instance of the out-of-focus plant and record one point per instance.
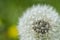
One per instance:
(12, 31)
(2, 30)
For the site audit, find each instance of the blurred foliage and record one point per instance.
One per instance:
(10, 10)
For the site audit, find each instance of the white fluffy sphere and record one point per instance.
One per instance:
(34, 14)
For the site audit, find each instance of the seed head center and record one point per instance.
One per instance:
(41, 27)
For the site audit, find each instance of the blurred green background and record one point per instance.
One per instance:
(11, 10)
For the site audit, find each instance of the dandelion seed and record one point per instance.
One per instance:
(40, 22)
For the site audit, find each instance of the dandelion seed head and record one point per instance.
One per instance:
(39, 23)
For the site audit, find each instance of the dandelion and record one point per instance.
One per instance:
(12, 31)
(40, 22)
